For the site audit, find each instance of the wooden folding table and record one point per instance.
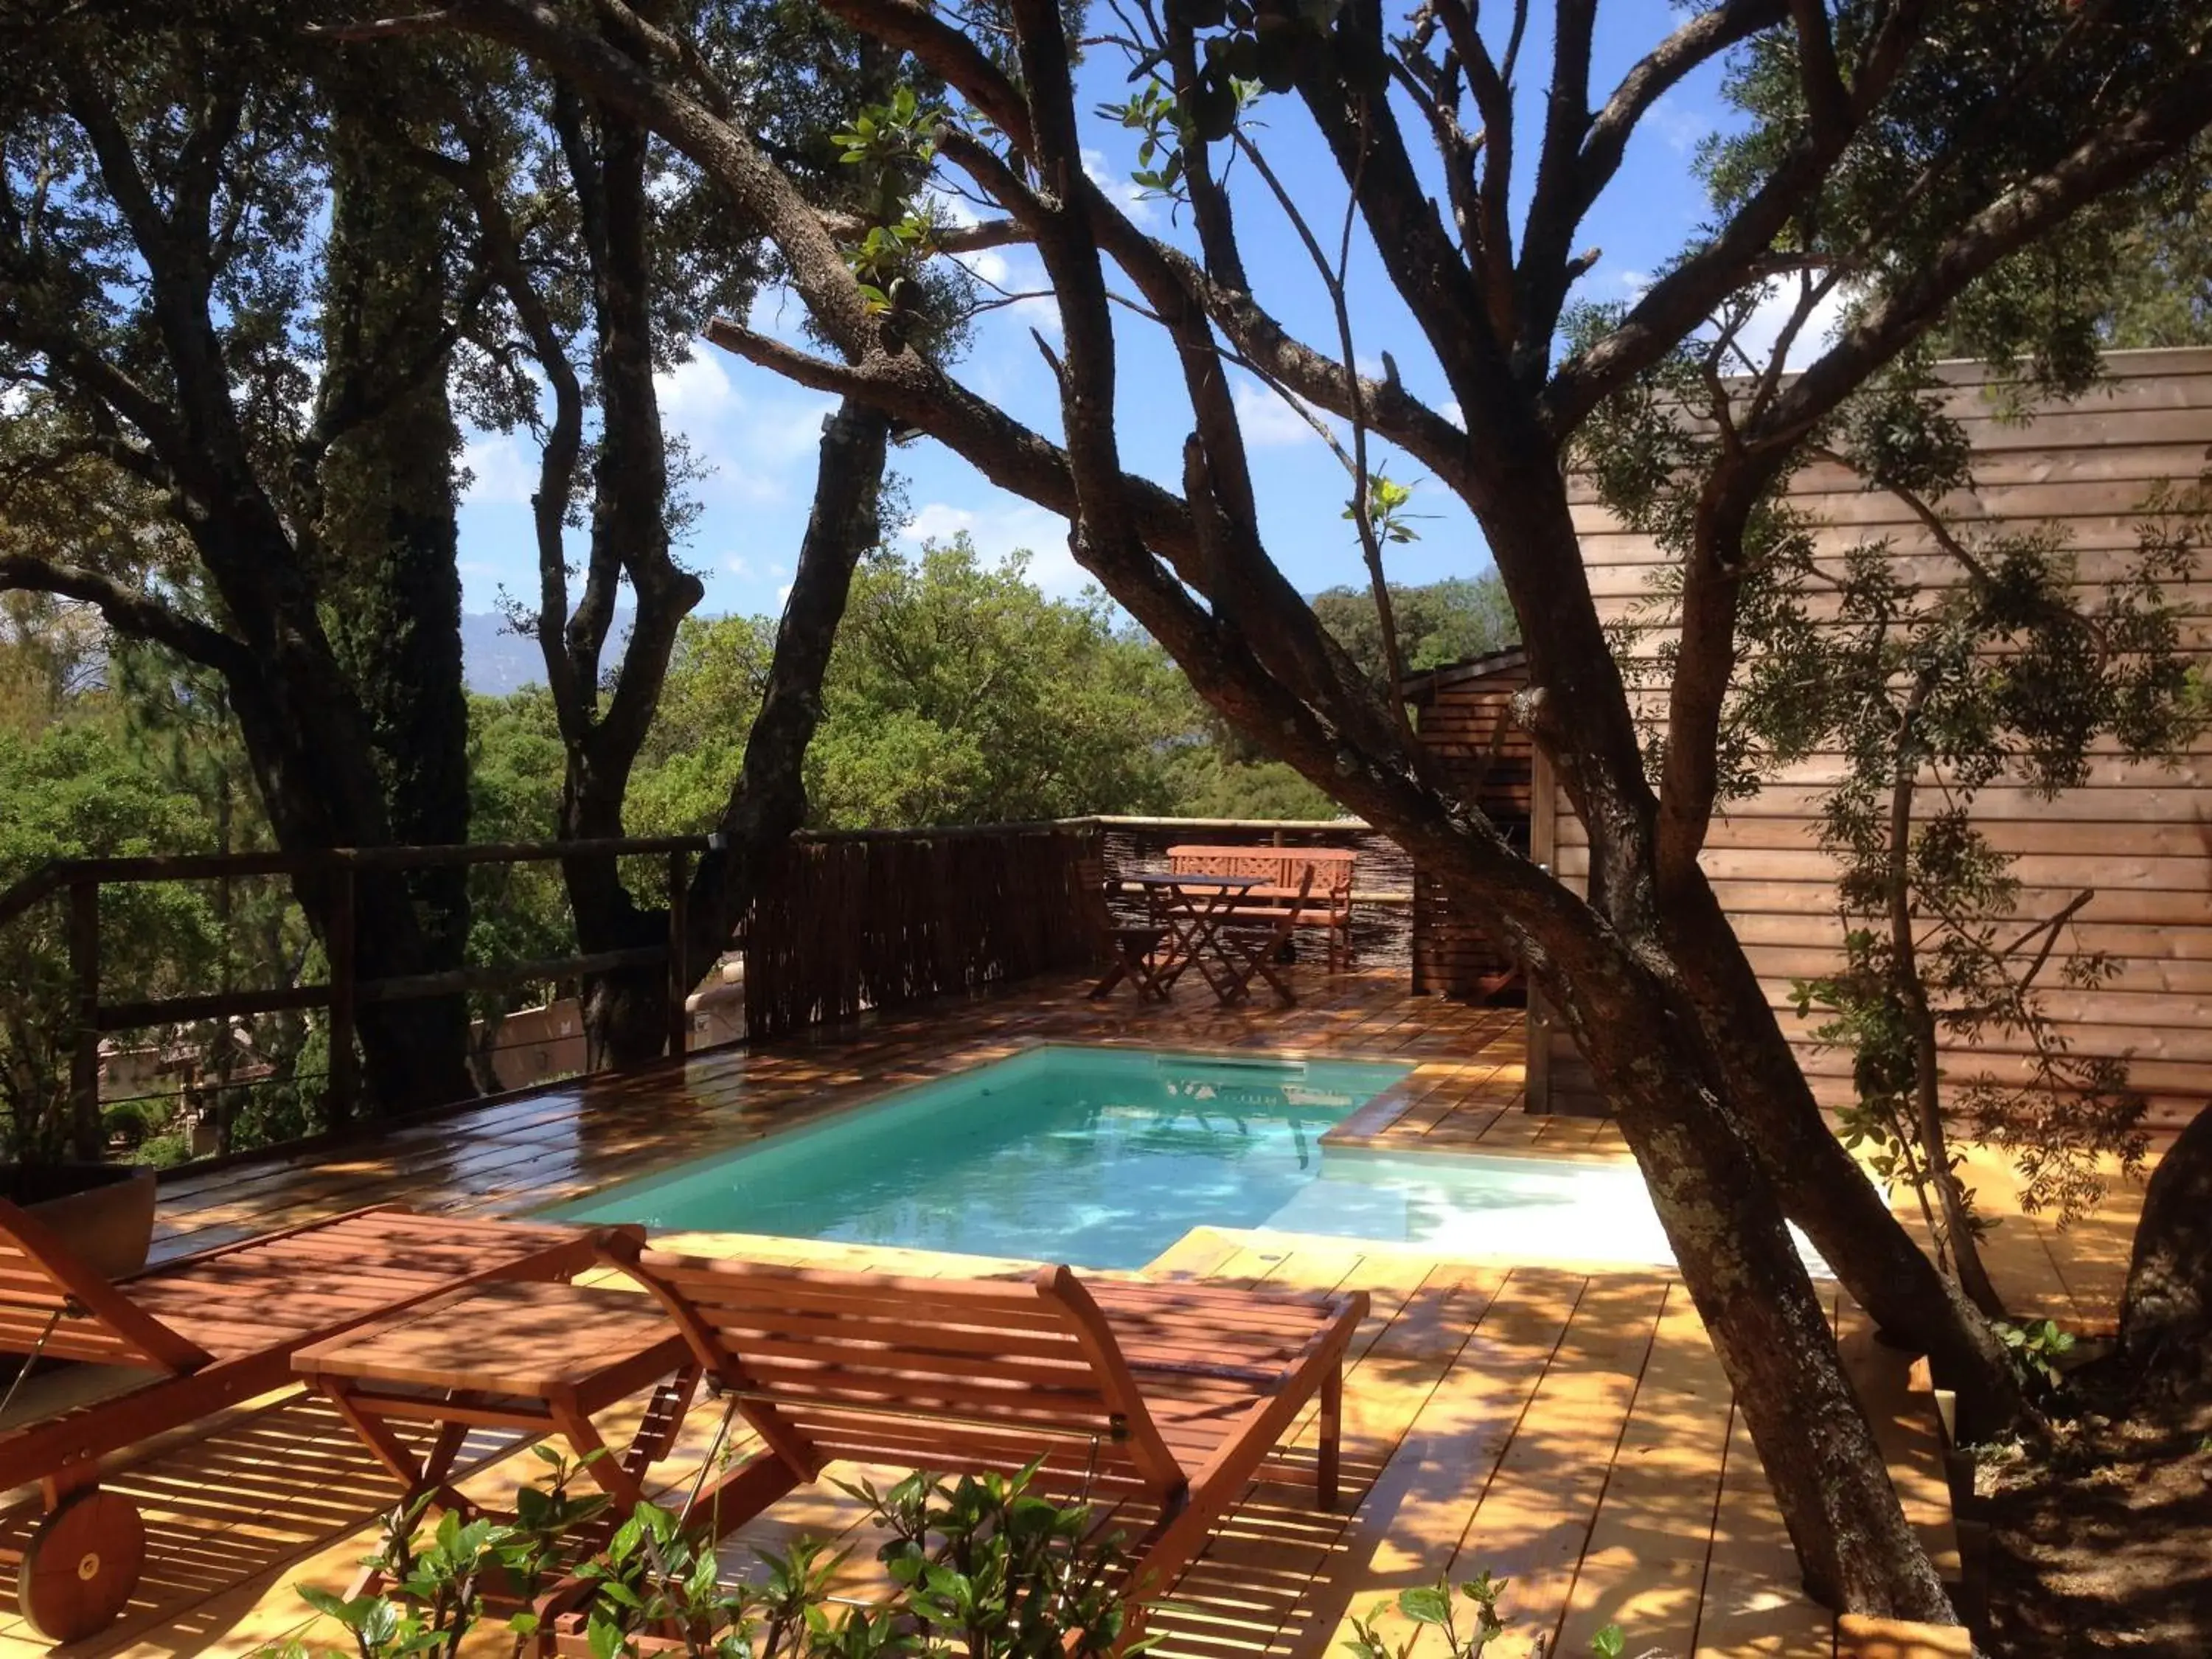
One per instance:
(1194, 908)
(539, 1359)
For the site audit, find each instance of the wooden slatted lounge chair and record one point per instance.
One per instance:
(1156, 1402)
(205, 1332)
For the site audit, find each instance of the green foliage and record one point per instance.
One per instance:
(2035, 1350)
(1387, 502)
(1233, 52)
(982, 1567)
(959, 694)
(78, 790)
(1443, 621)
(2049, 307)
(1431, 1607)
(517, 912)
(2002, 676)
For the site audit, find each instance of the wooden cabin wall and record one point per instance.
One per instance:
(1467, 725)
(2141, 836)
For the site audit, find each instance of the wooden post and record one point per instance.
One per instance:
(680, 882)
(85, 1136)
(345, 1081)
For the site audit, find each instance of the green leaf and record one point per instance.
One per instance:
(1425, 1604)
(604, 1636)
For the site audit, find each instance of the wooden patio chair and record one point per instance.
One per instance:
(1126, 948)
(202, 1332)
(1157, 1403)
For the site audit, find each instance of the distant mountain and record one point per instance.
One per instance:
(495, 659)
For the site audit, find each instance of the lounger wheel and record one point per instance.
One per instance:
(81, 1565)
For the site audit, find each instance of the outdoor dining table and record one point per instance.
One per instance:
(1194, 908)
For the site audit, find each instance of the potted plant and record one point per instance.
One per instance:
(103, 1211)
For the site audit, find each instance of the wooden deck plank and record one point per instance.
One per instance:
(1410, 1526)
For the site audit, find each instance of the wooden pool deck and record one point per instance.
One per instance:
(1568, 1428)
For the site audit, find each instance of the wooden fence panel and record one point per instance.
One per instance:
(847, 923)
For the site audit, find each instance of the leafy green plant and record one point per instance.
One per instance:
(2035, 1350)
(1432, 1607)
(987, 1565)
(984, 1567)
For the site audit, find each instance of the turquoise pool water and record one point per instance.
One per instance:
(1100, 1157)
(1104, 1158)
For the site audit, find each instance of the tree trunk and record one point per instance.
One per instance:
(1853, 1542)
(2166, 1315)
(1821, 1186)
(626, 1014)
(768, 803)
(393, 586)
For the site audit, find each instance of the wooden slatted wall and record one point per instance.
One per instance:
(2140, 836)
(1467, 725)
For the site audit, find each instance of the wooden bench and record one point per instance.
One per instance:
(1282, 869)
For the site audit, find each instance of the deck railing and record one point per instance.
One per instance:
(846, 921)
(79, 881)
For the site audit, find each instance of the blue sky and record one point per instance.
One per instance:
(758, 433)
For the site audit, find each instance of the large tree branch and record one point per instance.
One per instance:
(631, 480)
(754, 187)
(2118, 155)
(1493, 101)
(1698, 41)
(130, 611)
(1425, 266)
(562, 445)
(1008, 453)
(1555, 205)
(1767, 441)
(768, 801)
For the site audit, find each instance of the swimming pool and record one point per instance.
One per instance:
(1103, 1157)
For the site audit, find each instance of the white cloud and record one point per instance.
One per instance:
(1762, 332)
(736, 564)
(1452, 413)
(1007, 526)
(988, 265)
(1269, 421)
(502, 472)
(950, 208)
(783, 594)
(1005, 271)
(759, 441)
(1678, 127)
(1124, 193)
(695, 391)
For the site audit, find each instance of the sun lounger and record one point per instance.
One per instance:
(205, 1332)
(1159, 1402)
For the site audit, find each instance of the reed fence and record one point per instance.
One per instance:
(872, 920)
